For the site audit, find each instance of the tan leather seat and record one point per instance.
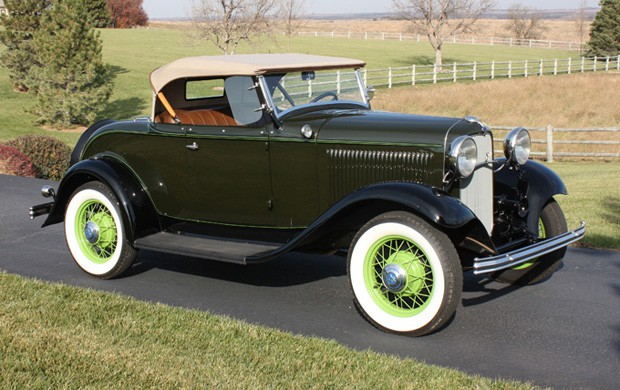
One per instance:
(207, 117)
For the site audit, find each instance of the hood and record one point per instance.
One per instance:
(386, 127)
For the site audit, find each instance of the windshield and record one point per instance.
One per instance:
(295, 90)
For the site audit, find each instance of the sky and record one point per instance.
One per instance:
(161, 9)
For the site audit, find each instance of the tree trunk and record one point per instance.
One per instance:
(438, 57)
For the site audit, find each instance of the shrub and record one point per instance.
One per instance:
(49, 156)
(14, 162)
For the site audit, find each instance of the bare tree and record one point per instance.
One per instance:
(524, 22)
(291, 12)
(440, 19)
(226, 23)
(581, 23)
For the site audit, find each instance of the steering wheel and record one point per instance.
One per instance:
(324, 95)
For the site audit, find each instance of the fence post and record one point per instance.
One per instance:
(492, 41)
(383, 36)
(583, 64)
(492, 70)
(332, 34)
(366, 35)
(412, 74)
(549, 143)
(618, 62)
(401, 37)
(540, 68)
(530, 43)
(316, 34)
(338, 84)
(570, 62)
(435, 74)
(389, 77)
(349, 35)
(595, 60)
(607, 64)
(475, 70)
(510, 42)
(525, 69)
(454, 73)
(510, 69)
(418, 38)
(555, 67)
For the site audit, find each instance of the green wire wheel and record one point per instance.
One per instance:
(405, 275)
(95, 232)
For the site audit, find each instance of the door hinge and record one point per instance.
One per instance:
(270, 204)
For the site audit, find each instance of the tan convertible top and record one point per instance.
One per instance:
(245, 65)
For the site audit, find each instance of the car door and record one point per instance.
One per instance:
(228, 163)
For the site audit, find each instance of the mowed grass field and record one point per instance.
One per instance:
(133, 54)
(54, 336)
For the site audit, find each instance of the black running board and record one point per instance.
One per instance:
(211, 248)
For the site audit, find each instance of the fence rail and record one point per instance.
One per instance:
(488, 41)
(550, 141)
(421, 74)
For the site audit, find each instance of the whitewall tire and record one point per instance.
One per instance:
(405, 275)
(95, 232)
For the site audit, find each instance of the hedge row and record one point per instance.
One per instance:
(35, 156)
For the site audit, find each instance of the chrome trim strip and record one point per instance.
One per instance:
(522, 255)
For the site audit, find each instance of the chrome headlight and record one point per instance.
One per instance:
(463, 156)
(518, 145)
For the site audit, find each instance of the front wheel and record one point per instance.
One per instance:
(95, 232)
(405, 275)
(551, 223)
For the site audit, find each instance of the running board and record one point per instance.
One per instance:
(211, 248)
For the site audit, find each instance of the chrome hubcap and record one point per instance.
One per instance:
(91, 232)
(394, 278)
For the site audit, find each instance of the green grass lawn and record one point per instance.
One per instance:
(134, 53)
(54, 336)
(591, 198)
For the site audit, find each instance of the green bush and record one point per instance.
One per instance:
(14, 162)
(49, 156)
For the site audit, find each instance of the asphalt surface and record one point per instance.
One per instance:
(563, 333)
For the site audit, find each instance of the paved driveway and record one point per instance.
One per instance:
(562, 333)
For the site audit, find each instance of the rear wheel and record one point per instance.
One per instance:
(95, 232)
(550, 224)
(405, 275)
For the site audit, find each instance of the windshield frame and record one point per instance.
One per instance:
(272, 107)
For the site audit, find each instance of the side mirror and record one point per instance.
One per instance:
(370, 92)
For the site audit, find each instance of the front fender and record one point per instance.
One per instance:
(432, 204)
(541, 185)
(138, 214)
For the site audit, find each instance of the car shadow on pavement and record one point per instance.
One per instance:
(616, 288)
(288, 270)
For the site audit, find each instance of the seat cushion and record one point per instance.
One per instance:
(220, 116)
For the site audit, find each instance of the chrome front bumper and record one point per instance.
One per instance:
(528, 253)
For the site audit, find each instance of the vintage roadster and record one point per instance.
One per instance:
(247, 157)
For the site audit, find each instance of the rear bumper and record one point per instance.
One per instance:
(528, 253)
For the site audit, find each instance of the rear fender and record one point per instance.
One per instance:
(139, 215)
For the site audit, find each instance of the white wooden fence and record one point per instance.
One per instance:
(420, 74)
(549, 141)
(489, 41)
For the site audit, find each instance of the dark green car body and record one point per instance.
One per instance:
(248, 165)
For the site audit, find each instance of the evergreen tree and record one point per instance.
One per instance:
(99, 12)
(71, 81)
(605, 31)
(19, 28)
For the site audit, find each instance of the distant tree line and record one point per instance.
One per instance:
(55, 53)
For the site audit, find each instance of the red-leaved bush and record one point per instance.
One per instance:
(50, 157)
(14, 162)
(127, 13)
